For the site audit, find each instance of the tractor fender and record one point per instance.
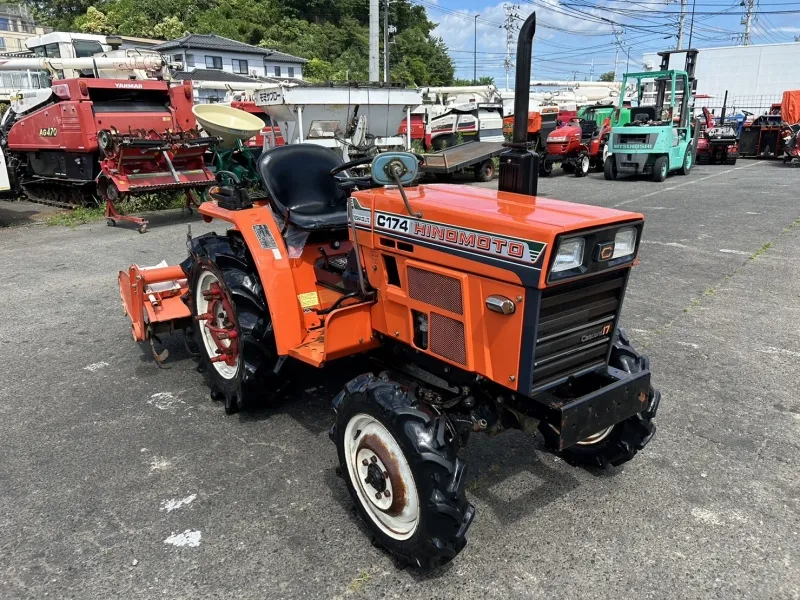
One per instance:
(256, 244)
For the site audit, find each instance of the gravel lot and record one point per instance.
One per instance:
(120, 480)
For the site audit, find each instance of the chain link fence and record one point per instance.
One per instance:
(756, 104)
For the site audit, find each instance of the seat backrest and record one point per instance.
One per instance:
(297, 179)
(643, 113)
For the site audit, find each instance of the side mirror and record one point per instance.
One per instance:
(404, 164)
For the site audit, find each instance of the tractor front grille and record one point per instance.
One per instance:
(576, 326)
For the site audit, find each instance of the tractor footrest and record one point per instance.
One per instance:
(607, 397)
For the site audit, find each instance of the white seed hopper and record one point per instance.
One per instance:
(328, 115)
(230, 124)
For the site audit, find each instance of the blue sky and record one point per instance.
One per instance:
(574, 33)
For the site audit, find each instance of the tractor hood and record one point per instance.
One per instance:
(494, 227)
(565, 133)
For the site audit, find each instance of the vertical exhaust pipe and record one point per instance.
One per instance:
(522, 81)
(519, 167)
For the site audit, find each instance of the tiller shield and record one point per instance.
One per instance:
(142, 162)
(153, 299)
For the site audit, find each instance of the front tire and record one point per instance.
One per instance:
(386, 443)
(687, 165)
(485, 171)
(582, 166)
(545, 168)
(620, 443)
(234, 332)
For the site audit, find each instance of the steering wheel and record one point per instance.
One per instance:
(365, 181)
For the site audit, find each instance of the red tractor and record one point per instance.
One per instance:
(578, 146)
(716, 144)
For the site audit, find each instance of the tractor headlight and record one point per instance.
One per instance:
(569, 255)
(561, 138)
(624, 242)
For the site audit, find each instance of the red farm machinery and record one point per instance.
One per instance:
(89, 137)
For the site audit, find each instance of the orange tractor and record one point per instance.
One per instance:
(483, 310)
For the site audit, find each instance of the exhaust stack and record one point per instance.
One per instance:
(519, 167)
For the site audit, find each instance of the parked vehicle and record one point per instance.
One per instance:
(659, 138)
(483, 309)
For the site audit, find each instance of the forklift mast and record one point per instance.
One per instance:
(691, 63)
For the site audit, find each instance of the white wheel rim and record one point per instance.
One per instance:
(204, 283)
(595, 438)
(585, 164)
(367, 440)
(605, 153)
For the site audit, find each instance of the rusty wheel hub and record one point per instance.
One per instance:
(381, 477)
(215, 316)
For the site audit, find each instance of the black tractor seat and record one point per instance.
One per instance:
(300, 187)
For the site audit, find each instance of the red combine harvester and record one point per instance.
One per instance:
(112, 138)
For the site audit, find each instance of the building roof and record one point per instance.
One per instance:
(227, 77)
(140, 40)
(196, 41)
(213, 75)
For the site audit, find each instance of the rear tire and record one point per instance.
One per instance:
(660, 168)
(245, 313)
(424, 519)
(620, 443)
(610, 169)
(730, 161)
(545, 168)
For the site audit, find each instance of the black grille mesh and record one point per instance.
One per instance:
(576, 326)
(447, 338)
(437, 290)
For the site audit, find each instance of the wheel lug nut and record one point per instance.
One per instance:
(373, 459)
(365, 462)
(378, 496)
(386, 493)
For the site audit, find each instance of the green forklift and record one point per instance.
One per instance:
(659, 137)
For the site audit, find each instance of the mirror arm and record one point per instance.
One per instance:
(396, 177)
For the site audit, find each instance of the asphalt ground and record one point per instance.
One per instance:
(121, 480)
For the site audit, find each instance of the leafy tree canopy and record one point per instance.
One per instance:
(332, 34)
(607, 76)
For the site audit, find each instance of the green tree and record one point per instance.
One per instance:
(332, 34)
(607, 76)
(95, 21)
(169, 29)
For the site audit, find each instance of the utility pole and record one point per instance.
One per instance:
(618, 34)
(374, 34)
(386, 41)
(512, 16)
(682, 23)
(747, 20)
(475, 54)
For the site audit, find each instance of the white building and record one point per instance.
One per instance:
(216, 59)
(754, 76)
(212, 51)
